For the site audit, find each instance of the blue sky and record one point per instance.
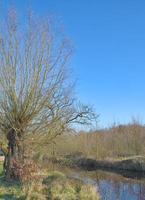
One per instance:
(109, 57)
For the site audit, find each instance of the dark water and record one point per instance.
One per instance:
(114, 185)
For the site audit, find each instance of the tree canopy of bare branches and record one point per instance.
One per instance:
(35, 92)
(36, 98)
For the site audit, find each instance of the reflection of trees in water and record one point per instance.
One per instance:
(120, 191)
(115, 187)
(136, 190)
(110, 185)
(139, 191)
(142, 191)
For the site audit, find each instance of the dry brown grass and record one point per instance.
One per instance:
(118, 142)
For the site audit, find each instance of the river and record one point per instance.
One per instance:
(112, 185)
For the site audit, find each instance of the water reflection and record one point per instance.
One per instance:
(117, 187)
(112, 185)
(121, 191)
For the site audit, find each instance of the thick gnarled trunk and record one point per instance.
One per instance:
(14, 153)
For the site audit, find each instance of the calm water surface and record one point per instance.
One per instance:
(112, 185)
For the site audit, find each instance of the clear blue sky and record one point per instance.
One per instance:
(109, 58)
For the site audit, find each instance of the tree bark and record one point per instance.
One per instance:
(10, 156)
(9, 168)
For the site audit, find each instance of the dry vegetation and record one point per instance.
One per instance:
(55, 186)
(37, 104)
(36, 100)
(37, 110)
(117, 142)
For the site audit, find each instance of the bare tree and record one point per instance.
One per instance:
(36, 98)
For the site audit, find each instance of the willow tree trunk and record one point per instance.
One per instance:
(13, 155)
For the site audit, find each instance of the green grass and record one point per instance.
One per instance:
(1, 168)
(55, 187)
(60, 187)
(8, 191)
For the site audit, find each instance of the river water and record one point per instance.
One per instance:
(113, 185)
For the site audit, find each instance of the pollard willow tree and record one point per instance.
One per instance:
(36, 98)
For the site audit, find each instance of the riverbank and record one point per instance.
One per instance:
(134, 163)
(55, 185)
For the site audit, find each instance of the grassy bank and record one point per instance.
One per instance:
(55, 186)
(61, 187)
(8, 191)
(136, 163)
(133, 164)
